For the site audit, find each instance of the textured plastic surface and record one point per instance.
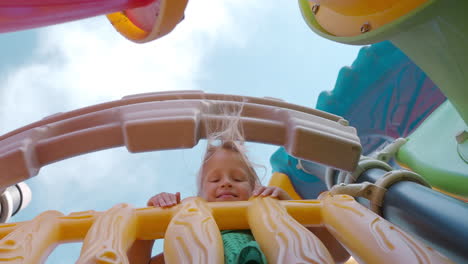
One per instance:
(278, 233)
(278, 226)
(154, 121)
(149, 22)
(371, 238)
(110, 246)
(383, 94)
(193, 236)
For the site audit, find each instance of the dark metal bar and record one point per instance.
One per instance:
(435, 218)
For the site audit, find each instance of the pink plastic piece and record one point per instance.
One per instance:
(24, 14)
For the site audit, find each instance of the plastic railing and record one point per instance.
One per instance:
(175, 120)
(191, 232)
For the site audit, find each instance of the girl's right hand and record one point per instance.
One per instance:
(164, 199)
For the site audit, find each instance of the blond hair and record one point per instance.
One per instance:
(228, 135)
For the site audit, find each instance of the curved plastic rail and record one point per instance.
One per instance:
(191, 232)
(174, 120)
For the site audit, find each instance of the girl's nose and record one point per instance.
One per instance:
(226, 183)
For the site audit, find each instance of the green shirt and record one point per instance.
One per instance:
(240, 247)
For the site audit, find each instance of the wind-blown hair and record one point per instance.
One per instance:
(228, 135)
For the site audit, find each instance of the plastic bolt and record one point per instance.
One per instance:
(315, 8)
(366, 27)
(461, 136)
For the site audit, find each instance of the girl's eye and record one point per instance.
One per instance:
(239, 179)
(214, 180)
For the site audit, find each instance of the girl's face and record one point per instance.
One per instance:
(226, 178)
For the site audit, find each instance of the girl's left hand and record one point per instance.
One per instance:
(272, 191)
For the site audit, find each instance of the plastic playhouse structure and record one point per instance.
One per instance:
(176, 120)
(388, 111)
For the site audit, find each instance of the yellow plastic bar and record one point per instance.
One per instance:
(281, 238)
(193, 236)
(110, 237)
(369, 237)
(282, 180)
(32, 241)
(228, 215)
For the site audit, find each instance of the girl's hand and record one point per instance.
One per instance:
(164, 199)
(272, 191)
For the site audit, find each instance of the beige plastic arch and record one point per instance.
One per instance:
(171, 120)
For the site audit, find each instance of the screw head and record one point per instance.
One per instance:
(461, 136)
(315, 8)
(366, 27)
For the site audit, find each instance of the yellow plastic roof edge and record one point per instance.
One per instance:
(343, 25)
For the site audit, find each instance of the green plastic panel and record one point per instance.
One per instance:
(431, 151)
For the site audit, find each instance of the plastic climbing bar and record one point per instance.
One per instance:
(191, 232)
(175, 120)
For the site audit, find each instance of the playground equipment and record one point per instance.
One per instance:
(174, 120)
(191, 232)
(13, 199)
(432, 33)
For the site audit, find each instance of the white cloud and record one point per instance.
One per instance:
(87, 62)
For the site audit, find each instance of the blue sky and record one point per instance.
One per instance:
(233, 47)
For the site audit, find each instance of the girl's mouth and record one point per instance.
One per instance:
(226, 195)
